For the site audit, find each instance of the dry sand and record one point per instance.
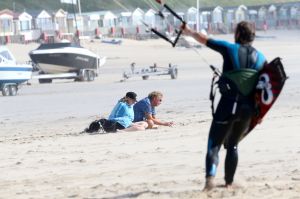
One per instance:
(43, 154)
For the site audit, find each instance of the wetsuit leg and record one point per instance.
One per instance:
(220, 127)
(231, 162)
(239, 128)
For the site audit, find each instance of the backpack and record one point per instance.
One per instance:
(235, 84)
(104, 125)
(241, 82)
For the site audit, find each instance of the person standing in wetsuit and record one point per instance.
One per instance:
(234, 112)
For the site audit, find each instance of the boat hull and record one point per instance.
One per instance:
(15, 74)
(64, 59)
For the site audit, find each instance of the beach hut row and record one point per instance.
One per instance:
(30, 26)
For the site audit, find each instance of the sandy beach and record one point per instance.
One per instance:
(45, 155)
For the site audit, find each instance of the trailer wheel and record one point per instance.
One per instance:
(174, 73)
(91, 75)
(5, 90)
(13, 89)
(85, 76)
(45, 81)
(145, 77)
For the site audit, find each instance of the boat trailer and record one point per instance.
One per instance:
(9, 89)
(154, 70)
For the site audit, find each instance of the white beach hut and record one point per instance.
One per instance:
(230, 19)
(241, 13)
(283, 16)
(6, 22)
(218, 20)
(272, 16)
(262, 13)
(43, 21)
(125, 19)
(295, 15)
(74, 22)
(176, 21)
(93, 21)
(137, 17)
(253, 15)
(60, 21)
(294, 12)
(191, 17)
(24, 22)
(272, 11)
(205, 19)
(217, 15)
(23, 26)
(283, 12)
(150, 18)
(108, 19)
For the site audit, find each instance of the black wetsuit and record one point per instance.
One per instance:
(233, 116)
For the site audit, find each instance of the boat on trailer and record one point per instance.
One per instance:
(11, 73)
(66, 58)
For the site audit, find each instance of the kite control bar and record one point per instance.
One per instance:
(159, 34)
(215, 70)
(162, 16)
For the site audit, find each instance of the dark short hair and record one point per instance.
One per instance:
(131, 95)
(244, 32)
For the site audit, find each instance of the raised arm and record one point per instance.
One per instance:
(198, 36)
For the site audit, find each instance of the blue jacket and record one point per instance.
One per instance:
(123, 114)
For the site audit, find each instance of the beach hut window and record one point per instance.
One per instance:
(125, 19)
(283, 13)
(294, 12)
(6, 25)
(25, 25)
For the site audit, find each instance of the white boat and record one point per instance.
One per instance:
(58, 58)
(11, 73)
(63, 57)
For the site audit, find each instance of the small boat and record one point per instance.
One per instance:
(112, 41)
(11, 73)
(58, 58)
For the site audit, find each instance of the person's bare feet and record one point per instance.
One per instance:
(228, 186)
(209, 183)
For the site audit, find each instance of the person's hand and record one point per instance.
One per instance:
(185, 29)
(170, 124)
